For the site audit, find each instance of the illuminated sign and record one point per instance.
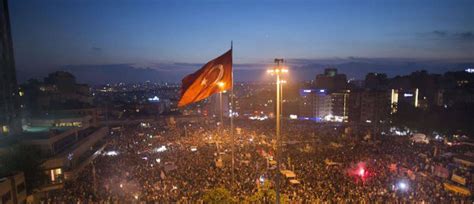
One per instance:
(408, 95)
(305, 92)
(470, 70)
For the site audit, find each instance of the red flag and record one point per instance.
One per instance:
(213, 77)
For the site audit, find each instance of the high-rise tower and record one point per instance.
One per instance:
(9, 101)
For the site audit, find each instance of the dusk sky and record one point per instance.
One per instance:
(144, 32)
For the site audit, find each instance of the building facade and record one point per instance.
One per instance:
(322, 105)
(369, 106)
(13, 189)
(9, 101)
(331, 80)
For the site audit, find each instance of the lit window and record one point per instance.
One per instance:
(56, 175)
(5, 129)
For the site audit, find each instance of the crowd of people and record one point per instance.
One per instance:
(163, 163)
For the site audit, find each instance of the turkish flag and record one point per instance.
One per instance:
(213, 77)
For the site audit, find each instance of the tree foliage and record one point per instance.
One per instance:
(218, 195)
(266, 195)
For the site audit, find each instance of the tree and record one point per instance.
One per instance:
(266, 195)
(218, 195)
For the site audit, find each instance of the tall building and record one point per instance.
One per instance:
(369, 106)
(322, 105)
(9, 100)
(340, 106)
(376, 81)
(410, 97)
(331, 80)
(58, 91)
(306, 103)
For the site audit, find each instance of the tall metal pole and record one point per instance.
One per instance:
(232, 123)
(277, 150)
(222, 124)
(221, 113)
(281, 108)
(221, 127)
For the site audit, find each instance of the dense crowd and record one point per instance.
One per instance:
(180, 163)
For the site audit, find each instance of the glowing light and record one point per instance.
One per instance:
(111, 153)
(416, 97)
(158, 160)
(361, 172)
(221, 84)
(154, 99)
(293, 117)
(161, 149)
(277, 70)
(402, 185)
(193, 149)
(261, 118)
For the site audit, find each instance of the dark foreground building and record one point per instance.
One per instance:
(9, 101)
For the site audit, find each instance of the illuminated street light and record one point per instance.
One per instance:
(221, 85)
(277, 71)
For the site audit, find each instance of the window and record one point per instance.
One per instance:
(5, 129)
(6, 197)
(56, 175)
(20, 187)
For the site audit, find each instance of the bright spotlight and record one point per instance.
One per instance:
(402, 185)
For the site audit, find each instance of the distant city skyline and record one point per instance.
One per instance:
(173, 35)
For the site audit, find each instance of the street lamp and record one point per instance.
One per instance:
(278, 70)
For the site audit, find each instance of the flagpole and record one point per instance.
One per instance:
(232, 120)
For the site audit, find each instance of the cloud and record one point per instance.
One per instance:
(465, 36)
(444, 35)
(96, 49)
(439, 33)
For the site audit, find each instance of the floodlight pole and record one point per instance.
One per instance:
(277, 72)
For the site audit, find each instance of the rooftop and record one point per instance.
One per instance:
(41, 132)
